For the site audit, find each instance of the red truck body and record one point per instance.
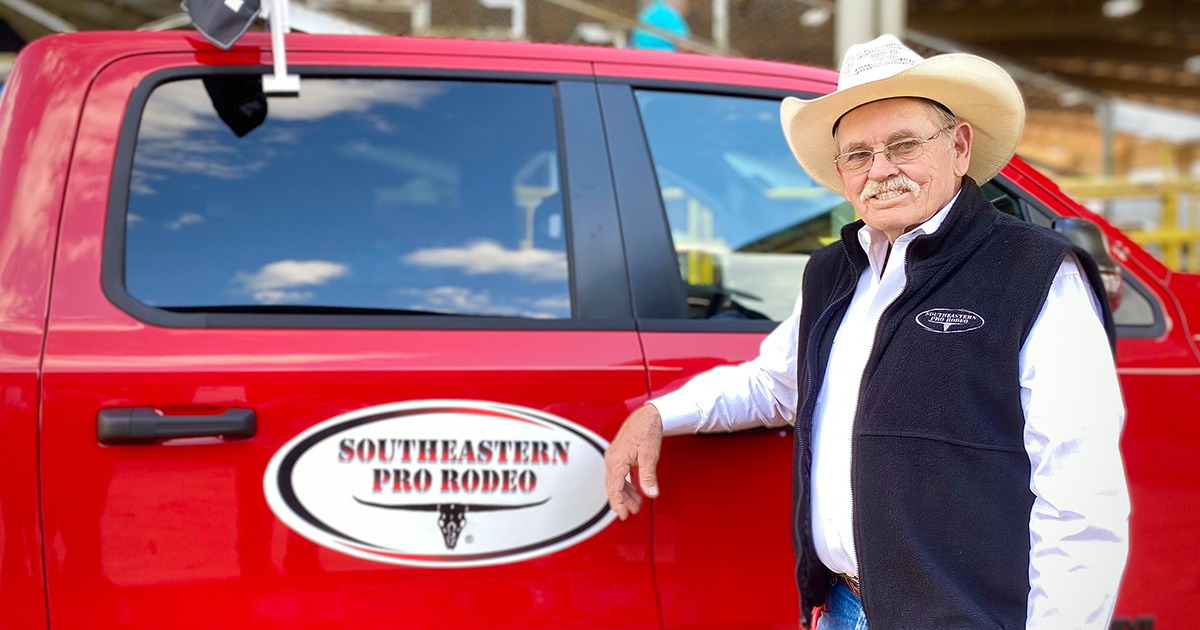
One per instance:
(178, 533)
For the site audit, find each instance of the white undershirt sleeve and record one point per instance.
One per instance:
(1079, 525)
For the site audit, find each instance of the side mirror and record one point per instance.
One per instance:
(1087, 236)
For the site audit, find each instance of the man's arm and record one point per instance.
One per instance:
(1079, 525)
(761, 392)
(757, 393)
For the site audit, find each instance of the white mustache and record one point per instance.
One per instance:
(896, 183)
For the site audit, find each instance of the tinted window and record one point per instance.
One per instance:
(429, 196)
(1135, 309)
(743, 215)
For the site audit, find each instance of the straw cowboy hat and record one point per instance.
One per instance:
(972, 88)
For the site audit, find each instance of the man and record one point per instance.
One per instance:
(948, 370)
(665, 15)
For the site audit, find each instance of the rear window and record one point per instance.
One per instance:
(361, 195)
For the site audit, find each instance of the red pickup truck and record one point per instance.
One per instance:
(350, 358)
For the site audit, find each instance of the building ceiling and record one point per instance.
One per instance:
(1146, 50)
(88, 15)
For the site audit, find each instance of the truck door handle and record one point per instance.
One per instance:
(125, 425)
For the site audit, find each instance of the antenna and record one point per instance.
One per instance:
(280, 82)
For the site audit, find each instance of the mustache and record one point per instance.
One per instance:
(895, 183)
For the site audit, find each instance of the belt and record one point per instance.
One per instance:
(851, 583)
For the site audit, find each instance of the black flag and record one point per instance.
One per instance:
(223, 22)
(239, 100)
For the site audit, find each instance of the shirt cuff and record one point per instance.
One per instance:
(679, 414)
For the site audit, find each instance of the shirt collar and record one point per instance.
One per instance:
(875, 243)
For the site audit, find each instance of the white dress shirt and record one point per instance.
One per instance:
(1073, 414)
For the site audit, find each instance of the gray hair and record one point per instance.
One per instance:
(941, 113)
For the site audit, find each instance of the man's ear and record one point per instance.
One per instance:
(961, 147)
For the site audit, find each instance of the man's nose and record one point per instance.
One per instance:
(881, 167)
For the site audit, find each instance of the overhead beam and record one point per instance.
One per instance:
(988, 22)
(40, 15)
(309, 20)
(1164, 100)
(179, 20)
(1096, 48)
(1133, 87)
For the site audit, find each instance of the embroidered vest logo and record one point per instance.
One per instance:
(949, 320)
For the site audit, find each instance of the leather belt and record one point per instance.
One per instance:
(851, 583)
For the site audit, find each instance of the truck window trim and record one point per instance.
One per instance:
(593, 247)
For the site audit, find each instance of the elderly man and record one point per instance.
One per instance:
(949, 372)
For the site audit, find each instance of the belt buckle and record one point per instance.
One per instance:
(852, 583)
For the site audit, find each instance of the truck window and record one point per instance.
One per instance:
(361, 195)
(1137, 315)
(743, 215)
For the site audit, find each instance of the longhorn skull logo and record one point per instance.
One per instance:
(452, 517)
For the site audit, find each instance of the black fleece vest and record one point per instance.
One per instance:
(939, 472)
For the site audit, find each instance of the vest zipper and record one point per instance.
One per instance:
(799, 528)
(862, 584)
(816, 326)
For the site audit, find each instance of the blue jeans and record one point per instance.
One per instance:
(842, 610)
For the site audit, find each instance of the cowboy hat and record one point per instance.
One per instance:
(972, 88)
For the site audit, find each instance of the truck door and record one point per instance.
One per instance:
(722, 219)
(347, 359)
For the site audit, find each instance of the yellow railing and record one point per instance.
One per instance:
(700, 246)
(1173, 237)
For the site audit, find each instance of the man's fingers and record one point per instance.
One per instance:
(637, 443)
(616, 474)
(623, 497)
(627, 501)
(632, 499)
(614, 482)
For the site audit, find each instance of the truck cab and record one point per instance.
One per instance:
(353, 356)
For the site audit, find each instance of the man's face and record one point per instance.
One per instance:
(876, 193)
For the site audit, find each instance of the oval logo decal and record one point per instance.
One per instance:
(442, 483)
(949, 320)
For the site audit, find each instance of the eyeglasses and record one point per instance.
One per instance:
(898, 152)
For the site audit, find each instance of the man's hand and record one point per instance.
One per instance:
(638, 443)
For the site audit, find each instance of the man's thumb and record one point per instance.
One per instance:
(647, 477)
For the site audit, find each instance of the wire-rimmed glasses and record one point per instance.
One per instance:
(898, 152)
